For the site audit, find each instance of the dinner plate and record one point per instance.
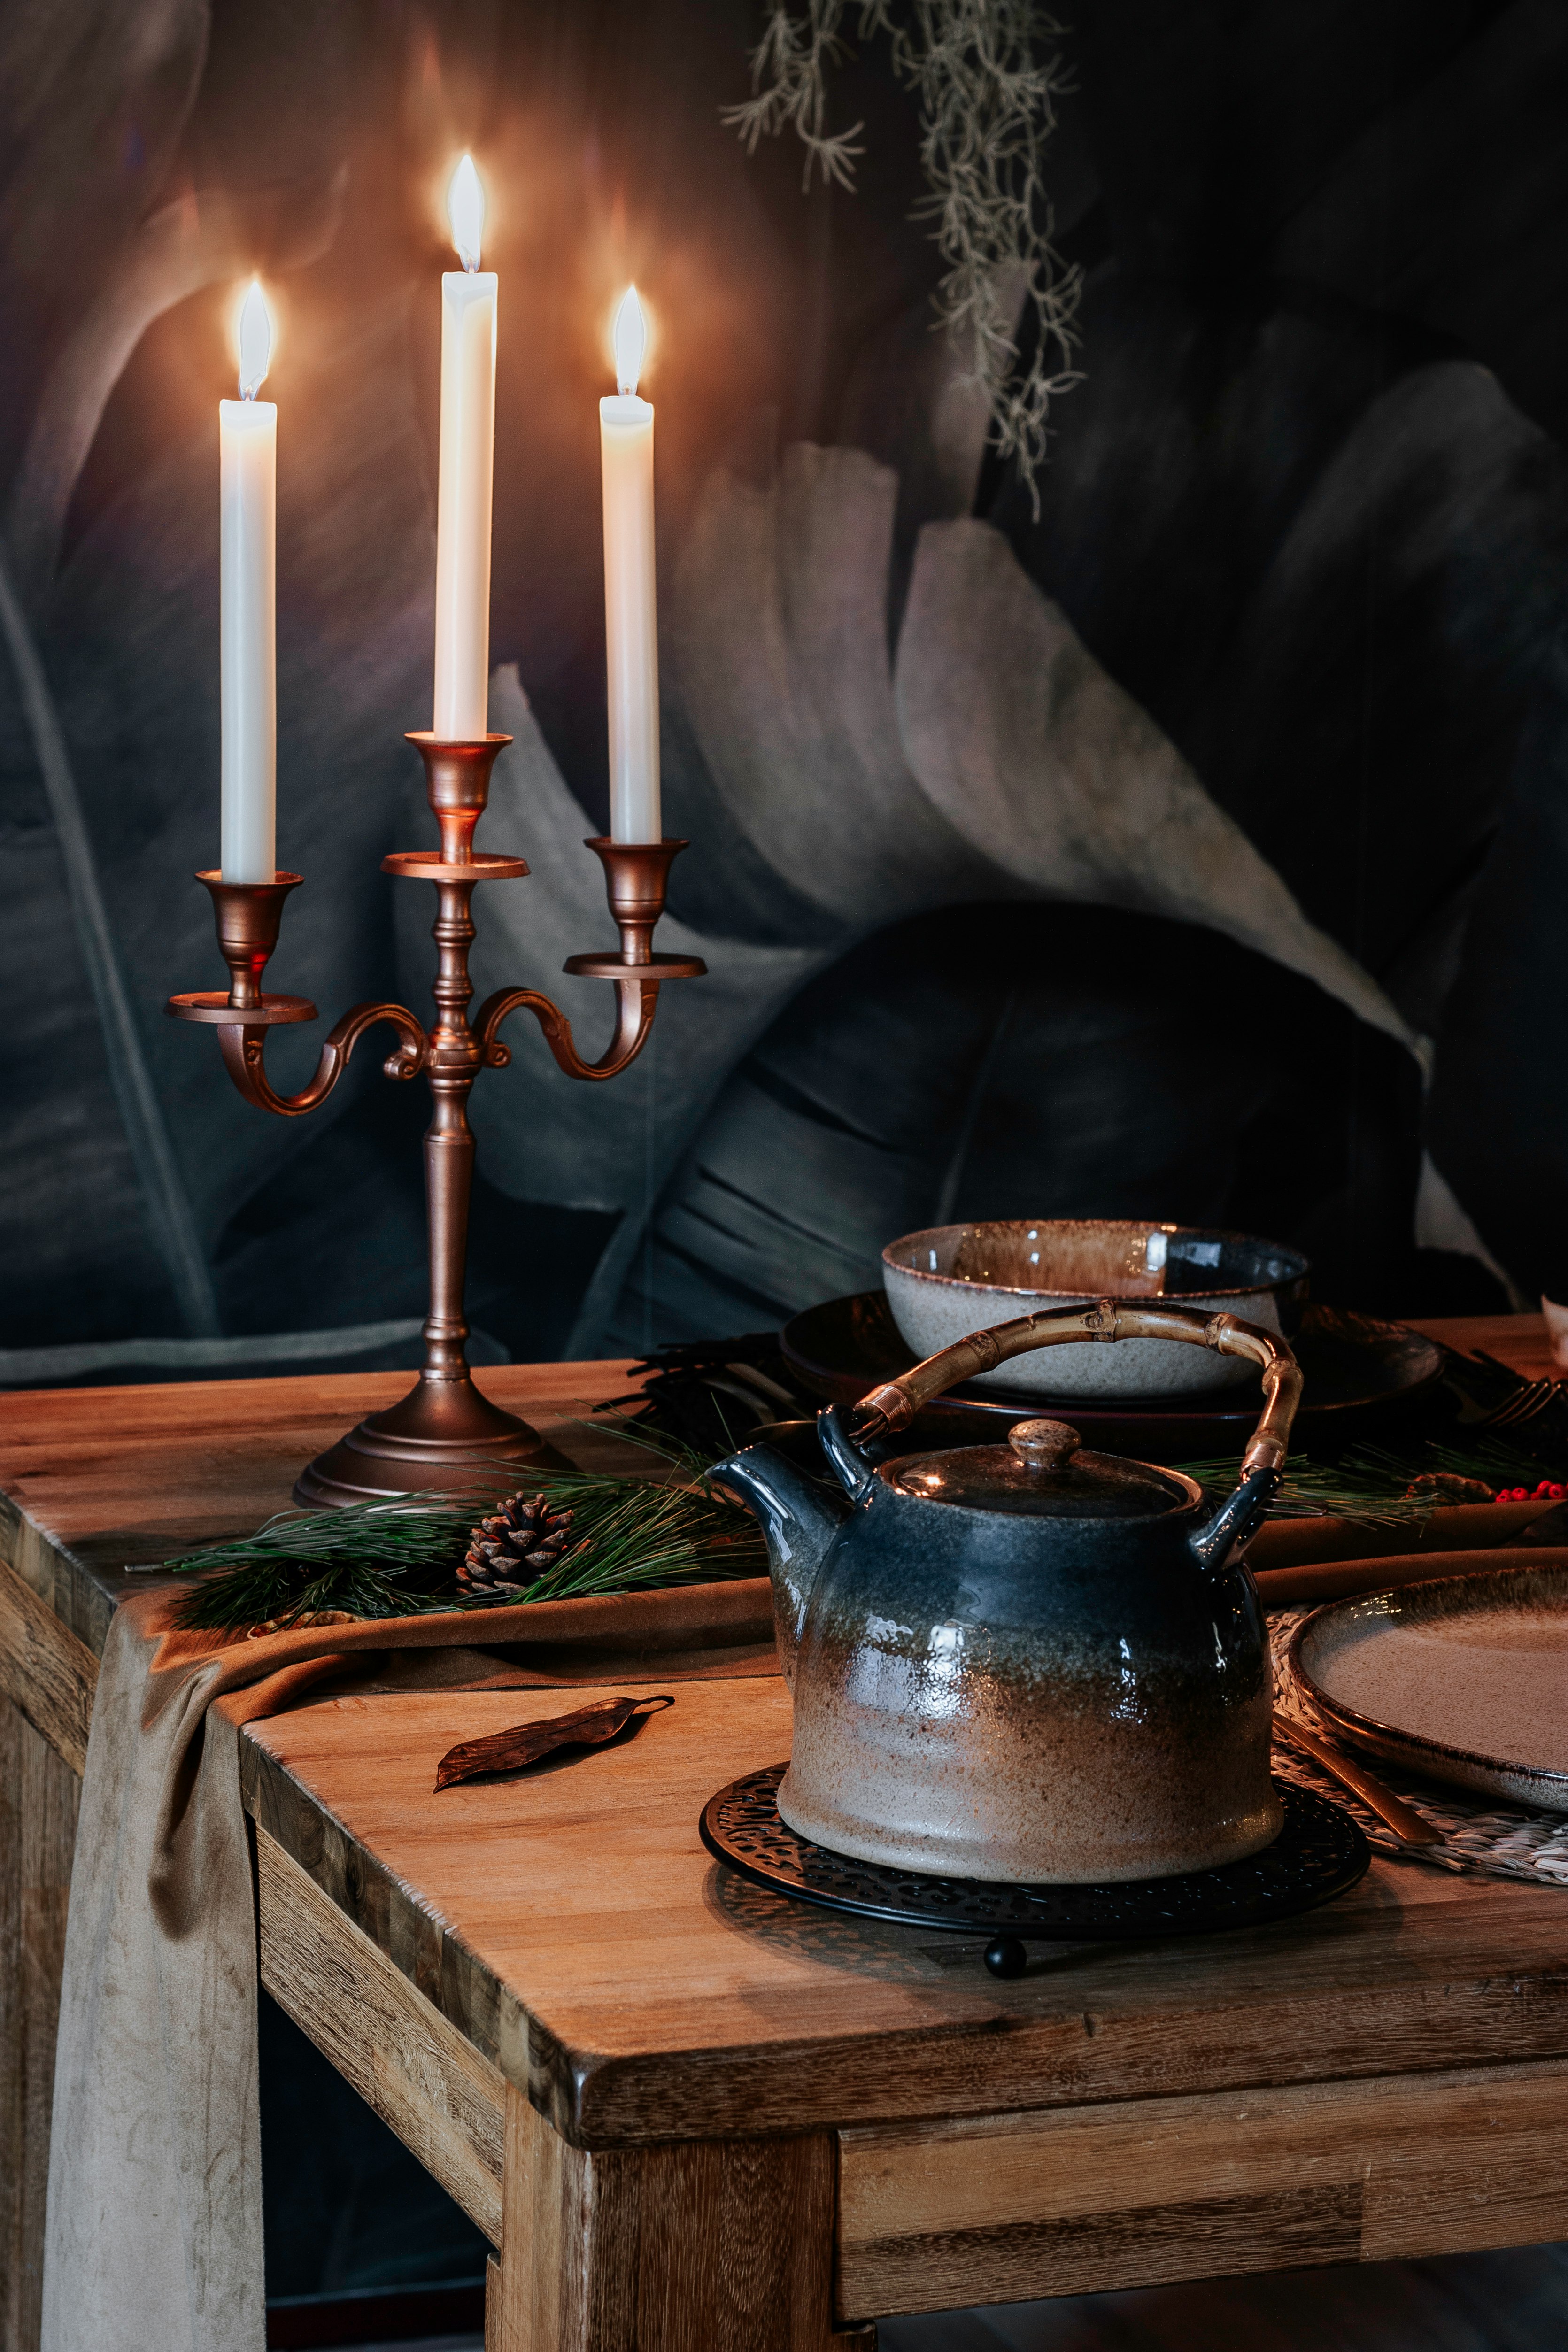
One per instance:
(1465, 1678)
(1357, 1370)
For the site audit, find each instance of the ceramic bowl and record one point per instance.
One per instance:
(953, 1279)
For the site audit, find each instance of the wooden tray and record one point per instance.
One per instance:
(1359, 1372)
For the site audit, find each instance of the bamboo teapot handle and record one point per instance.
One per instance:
(893, 1406)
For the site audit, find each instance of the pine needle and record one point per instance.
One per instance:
(400, 1559)
(1370, 1485)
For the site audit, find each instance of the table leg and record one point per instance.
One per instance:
(690, 2246)
(39, 1796)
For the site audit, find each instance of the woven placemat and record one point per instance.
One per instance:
(1479, 1834)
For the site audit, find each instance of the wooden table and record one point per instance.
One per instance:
(687, 2113)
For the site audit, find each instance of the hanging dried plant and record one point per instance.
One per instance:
(987, 80)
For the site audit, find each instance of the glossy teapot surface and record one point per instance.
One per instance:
(1029, 1663)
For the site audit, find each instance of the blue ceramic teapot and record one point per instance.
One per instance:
(1030, 1662)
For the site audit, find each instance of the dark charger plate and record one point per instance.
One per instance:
(1358, 1372)
(1319, 1853)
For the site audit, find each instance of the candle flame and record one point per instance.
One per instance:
(253, 337)
(466, 211)
(629, 338)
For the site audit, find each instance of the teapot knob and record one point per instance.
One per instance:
(1043, 1444)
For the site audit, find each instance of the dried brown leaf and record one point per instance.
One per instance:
(525, 1743)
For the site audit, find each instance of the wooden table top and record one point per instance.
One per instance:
(573, 1926)
(93, 1478)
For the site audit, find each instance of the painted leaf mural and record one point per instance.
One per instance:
(1259, 712)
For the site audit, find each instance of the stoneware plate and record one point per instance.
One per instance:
(1359, 1372)
(1465, 1678)
(950, 1280)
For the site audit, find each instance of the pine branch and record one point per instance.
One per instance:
(401, 1558)
(1372, 1486)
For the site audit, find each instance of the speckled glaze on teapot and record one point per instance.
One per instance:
(1029, 1662)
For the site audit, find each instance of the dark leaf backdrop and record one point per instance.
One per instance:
(1194, 847)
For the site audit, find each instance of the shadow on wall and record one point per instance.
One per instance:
(1043, 1061)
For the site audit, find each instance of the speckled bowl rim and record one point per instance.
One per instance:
(1413, 1747)
(1101, 1225)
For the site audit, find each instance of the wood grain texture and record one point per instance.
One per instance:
(93, 1478)
(571, 1924)
(45, 1670)
(424, 2078)
(717, 2247)
(1156, 2190)
(38, 1795)
(1517, 1341)
(492, 2306)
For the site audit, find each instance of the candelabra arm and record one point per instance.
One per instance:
(637, 1001)
(244, 1047)
(636, 874)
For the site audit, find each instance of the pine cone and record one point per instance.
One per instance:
(513, 1548)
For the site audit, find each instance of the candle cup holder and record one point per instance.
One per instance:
(444, 1432)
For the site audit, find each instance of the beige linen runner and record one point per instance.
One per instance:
(153, 2233)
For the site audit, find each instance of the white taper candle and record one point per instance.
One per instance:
(247, 570)
(466, 472)
(631, 593)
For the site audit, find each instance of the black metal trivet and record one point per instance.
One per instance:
(1319, 1853)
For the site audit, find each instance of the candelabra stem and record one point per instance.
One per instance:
(448, 1188)
(445, 1432)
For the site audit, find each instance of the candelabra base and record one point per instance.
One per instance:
(443, 1435)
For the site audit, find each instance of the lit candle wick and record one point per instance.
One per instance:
(630, 338)
(255, 340)
(466, 212)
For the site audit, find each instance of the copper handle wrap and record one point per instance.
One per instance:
(894, 1406)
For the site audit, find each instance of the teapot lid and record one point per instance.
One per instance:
(1042, 1472)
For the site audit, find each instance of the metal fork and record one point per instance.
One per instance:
(1523, 1405)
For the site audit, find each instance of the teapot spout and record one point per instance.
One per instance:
(1238, 1517)
(798, 1521)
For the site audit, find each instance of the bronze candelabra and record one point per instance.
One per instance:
(445, 1427)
